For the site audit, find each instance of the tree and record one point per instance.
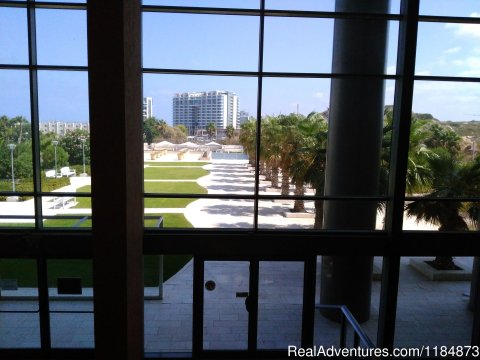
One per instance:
(151, 129)
(289, 124)
(211, 130)
(450, 179)
(229, 131)
(72, 143)
(248, 131)
(418, 177)
(15, 131)
(47, 152)
(310, 161)
(271, 147)
(182, 128)
(443, 137)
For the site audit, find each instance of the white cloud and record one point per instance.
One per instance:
(466, 29)
(453, 50)
(466, 98)
(319, 95)
(423, 72)
(472, 66)
(392, 69)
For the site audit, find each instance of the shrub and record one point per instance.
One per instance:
(22, 185)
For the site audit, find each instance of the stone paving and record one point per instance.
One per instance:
(429, 313)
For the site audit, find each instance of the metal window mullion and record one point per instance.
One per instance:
(43, 303)
(398, 167)
(308, 310)
(261, 37)
(34, 111)
(253, 305)
(198, 307)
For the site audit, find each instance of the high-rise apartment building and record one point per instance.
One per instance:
(147, 107)
(60, 128)
(196, 110)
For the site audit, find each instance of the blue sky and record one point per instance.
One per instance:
(230, 43)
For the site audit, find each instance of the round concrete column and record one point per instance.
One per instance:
(354, 145)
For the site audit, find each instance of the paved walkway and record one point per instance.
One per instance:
(429, 313)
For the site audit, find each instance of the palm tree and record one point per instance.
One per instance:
(288, 146)
(271, 147)
(418, 176)
(211, 129)
(309, 162)
(229, 131)
(248, 131)
(450, 179)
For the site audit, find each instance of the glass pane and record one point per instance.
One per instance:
(280, 304)
(13, 36)
(62, 37)
(248, 4)
(315, 5)
(195, 102)
(455, 55)
(351, 281)
(64, 128)
(315, 46)
(71, 303)
(433, 305)
(288, 95)
(67, 211)
(15, 94)
(198, 213)
(225, 314)
(69, 1)
(168, 303)
(449, 8)
(19, 304)
(224, 36)
(443, 155)
(16, 171)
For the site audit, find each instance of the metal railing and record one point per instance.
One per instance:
(360, 338)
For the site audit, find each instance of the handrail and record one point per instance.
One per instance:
(360, 338)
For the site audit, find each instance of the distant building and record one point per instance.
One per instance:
(60, 128)
(243, 117)
(196, 110)
(147, 107)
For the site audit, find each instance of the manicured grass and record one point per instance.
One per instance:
(158, 173)
(166, 203)
(169, 221)
(25, 271)
(177, 163)
(17, 225)
(68, 223)
(155, 187)
(174, 187)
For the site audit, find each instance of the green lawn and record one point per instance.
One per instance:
(17, 225)
(68, 223)
(199, 163)
(158, 173)
(155, 187)
(25, 271)
(174, 187)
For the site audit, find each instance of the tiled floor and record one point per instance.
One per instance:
(429, 313)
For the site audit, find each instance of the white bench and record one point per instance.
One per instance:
(50, 173)
(62, 202)
(66, 171)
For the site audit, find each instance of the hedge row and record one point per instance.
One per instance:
(48, 184)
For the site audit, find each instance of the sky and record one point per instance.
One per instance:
(231, 43)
